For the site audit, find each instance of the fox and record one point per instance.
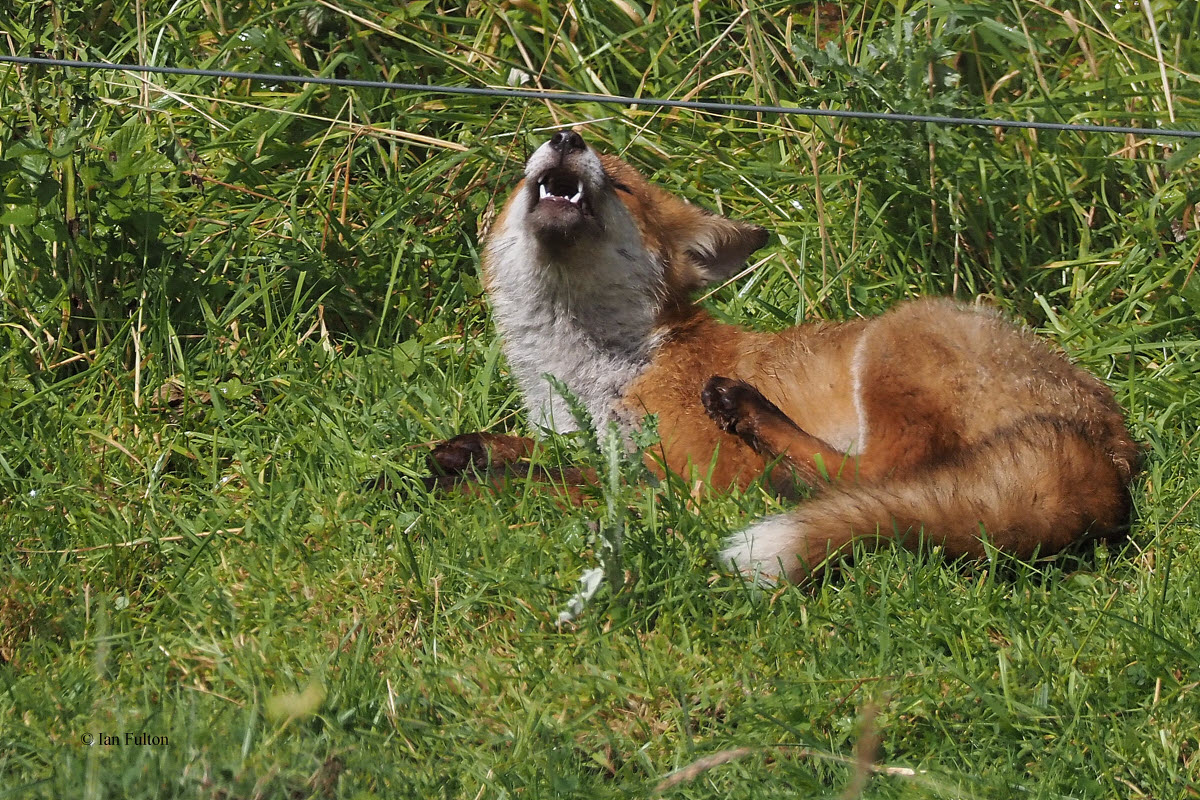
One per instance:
(937, 422)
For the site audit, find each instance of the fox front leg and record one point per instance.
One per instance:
(469, 453)
(474, 461)
(740, 409)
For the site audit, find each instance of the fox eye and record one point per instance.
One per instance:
(620, 187)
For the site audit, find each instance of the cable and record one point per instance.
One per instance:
(578, 97)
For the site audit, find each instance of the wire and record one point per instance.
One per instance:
(580, 97)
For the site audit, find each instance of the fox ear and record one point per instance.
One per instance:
(721, 246)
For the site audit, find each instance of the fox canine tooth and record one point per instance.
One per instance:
(543, 192)
(578, 194)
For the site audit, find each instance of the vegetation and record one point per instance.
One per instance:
(227, 304)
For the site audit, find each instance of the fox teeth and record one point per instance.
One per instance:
(574, 199)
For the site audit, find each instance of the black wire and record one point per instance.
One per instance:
(579, 97)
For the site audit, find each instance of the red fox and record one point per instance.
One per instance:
(936, 421)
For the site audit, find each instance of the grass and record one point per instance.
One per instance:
(228, 305)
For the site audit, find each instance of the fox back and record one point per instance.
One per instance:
(936, 421)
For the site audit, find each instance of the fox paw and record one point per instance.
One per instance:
(731, 402)
(458, 455)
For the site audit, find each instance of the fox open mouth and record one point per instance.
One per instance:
(560, 205)
(562, 187)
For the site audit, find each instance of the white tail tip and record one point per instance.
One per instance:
(761, 551)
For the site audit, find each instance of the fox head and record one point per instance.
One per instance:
(576, 206)
(587, 268)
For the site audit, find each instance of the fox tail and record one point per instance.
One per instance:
(1033, 488)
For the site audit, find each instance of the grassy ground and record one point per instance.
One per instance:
(226, 305)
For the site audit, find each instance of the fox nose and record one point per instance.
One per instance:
(567, 142)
